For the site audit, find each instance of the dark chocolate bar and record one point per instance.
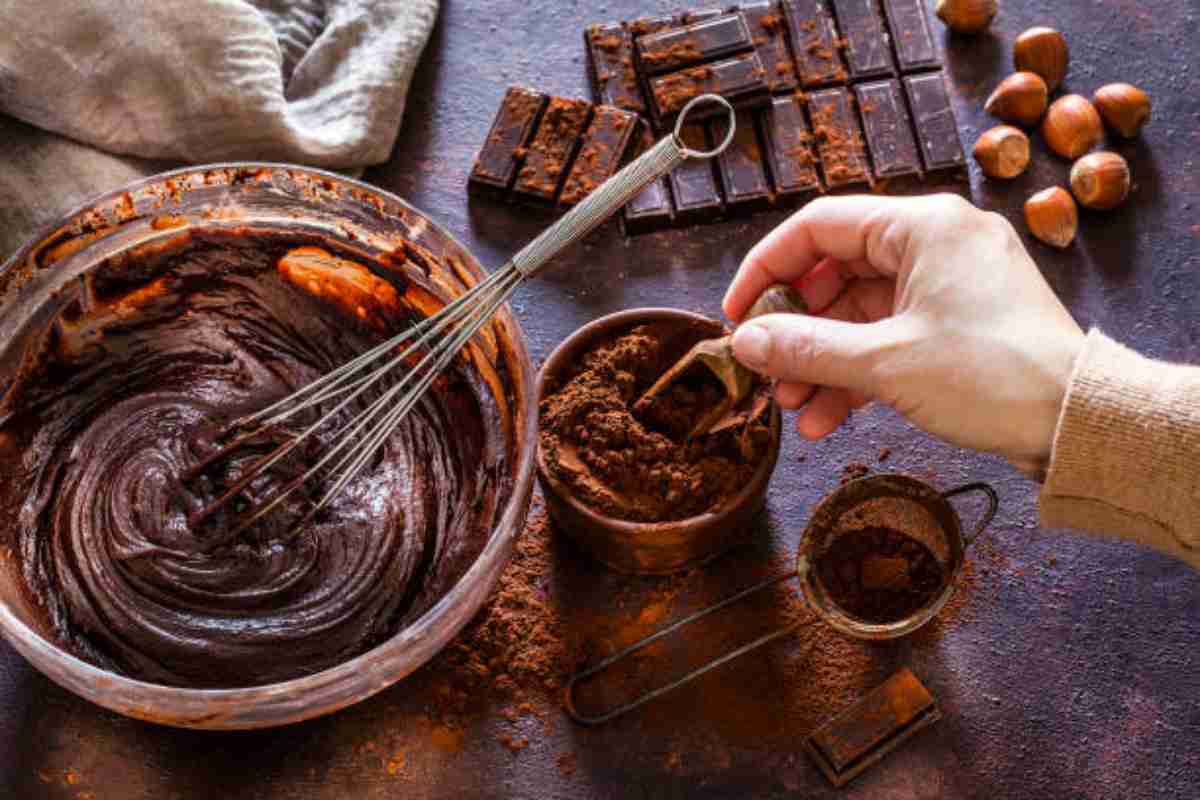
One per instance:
(549, 155)
(768, 33)
(693, 183)
(743, 171)
(839, 138)
(789, 148)
(503, 151)
(814, 42)
(873, 727)
(888, 130)
(740, 80)
(697, 43)
(613, 73)
(601, 152)
(912, 37)
(651, 209)
(868, 54)
(937, 130)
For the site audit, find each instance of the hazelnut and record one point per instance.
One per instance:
(1002, 152)
(1124, 107)
(966, 16)
(1019, 99)
(1044, 51)
(1052, 216)
(1072, 126)
(1100, 180)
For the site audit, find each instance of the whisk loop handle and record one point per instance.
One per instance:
(614, 193)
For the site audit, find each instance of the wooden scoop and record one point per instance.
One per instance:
(716, 356)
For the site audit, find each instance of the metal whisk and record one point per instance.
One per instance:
(441, 336)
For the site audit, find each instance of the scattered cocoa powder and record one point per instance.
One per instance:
(567, 764)
(879, 575)
(853, 471)
(637, 465)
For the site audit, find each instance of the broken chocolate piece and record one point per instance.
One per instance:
(651, 209)
(868, 54)
(814, 42)
(839, 139)
(912, 37)
(549, 155)
(937, 130)
(601, 152)
(873, 727)
(743, 172)
(789, 148)
(888, 130)
(693, 183)
(503, 151)
(699, 42)
(614, 76)
(740, 80)
(767, 32)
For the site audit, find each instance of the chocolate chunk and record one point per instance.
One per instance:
(911, 35)
(740, 80)
(601, 152)
(839, 138)
(814, 42)
(937, 130)
(650, 210)
(867, 52)
(549, 154)
(743, 171)
(696, 43)
(693, 183)
(873, 727)
(888, 129)
(614, 77)
(767, 32)
(503, 151)
(789, 148)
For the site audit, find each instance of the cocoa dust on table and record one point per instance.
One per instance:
(636, 464)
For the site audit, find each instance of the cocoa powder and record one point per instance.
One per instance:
(879, 575)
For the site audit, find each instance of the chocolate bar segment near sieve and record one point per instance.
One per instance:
(839, 138)
(768, 32)
(873, 727)
(868, 54)
(912, 36)
(888, 129)
(707, 40)
(552, 150)
(614, 76)
(503, 151)
(937, 130)
(601, 152)
(814, 42)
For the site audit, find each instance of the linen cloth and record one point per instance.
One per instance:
(1126, 457)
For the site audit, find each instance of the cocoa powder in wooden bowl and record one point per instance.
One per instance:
(628, 486)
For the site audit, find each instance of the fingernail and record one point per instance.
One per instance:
(752, 346)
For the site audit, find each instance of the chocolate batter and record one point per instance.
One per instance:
(125, 395)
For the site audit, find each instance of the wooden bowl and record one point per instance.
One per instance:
(646, 548)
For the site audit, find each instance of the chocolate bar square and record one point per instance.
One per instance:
(839, 138)
(789, 146)
(549, 155)
(814, 42)
(912, 36)
(741, 80)
(693, 184)
(503, 151)
(614, 76)
(651, 209)
(699, 42)
(888, 129)
(601, 152)
(743, 170)
(868, 54)
(937, 130)
(768, 31)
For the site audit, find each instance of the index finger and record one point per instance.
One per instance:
(840, 228)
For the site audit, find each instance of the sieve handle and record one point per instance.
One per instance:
(612, 195)
(989, 514)
(599, 719)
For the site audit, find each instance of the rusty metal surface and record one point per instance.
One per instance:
(1071, 670)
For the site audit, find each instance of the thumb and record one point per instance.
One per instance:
(798, 348)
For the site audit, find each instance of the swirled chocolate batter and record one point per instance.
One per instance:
(123, 396)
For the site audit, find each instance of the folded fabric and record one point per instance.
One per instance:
(319, 82)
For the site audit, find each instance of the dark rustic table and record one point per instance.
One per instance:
(1069, 669)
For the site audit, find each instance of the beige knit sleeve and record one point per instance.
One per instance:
(1126, 457)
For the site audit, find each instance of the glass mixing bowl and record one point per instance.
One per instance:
(38, 280)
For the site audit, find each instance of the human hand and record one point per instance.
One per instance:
(926, 304)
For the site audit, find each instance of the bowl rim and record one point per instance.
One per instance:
(220, 704)
(581, 336)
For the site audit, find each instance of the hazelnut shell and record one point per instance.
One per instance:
(967, 16)
(1052, 216)
(1002, 152)
(1020, 99)
(1072, 126)
(1044, 51)
(1100, 180)
(1124, 107)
